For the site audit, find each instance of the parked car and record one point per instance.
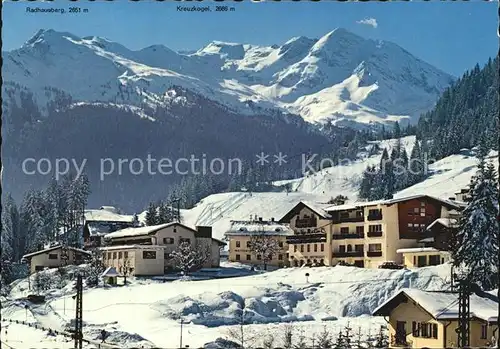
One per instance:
(390, 265)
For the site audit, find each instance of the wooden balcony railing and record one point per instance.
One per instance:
(374, 253)
(348, 236)
(374, 234)
(306, 238)
(306, 223)
(338, 254)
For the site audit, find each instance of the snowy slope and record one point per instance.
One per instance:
(341, 77)
(446, 177)
(148, 310)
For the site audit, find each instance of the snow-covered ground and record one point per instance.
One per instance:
(143, 312)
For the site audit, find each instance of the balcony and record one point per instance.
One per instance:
(415, 234)
(399, 340)
(374, 234)
(374, 253)
(338, 254)
(337, 220)
(306, 223)
(306, 238)
(348, 236)
(375, 217)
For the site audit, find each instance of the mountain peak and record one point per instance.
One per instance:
(48, 35)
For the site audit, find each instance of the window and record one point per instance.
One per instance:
(424, 330)
(148, 254)
(344, 230)
(375, 227)
(415, 329)
(186, 240)
(358, 248)
(360, 230)
(342, 249)
(168, 241)
(322, 247)
(422, 204)
(374, 212)
(484, 331)
(349, 248)
(280, 244)
(375, 247)
(248, 244)
(308, 248)
(237, 257)
(238, 244)
(120, 255)
(422, 226)
(359, 214)
(270, 257)
(344, 215)
(125, 254)
(434, 260)
(301, 248)
(114, 255)
(410, 212)
(315, 248)
(249, 257)
(416, 210)
(109, 255)
(421, 261)
(422, 212)
(410, 226)
(434, 331)
(280, 257)
(294, 248)
(52, 256)
(259, 257)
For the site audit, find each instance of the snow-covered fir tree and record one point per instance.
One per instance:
(152, 214)
(165, 213)
(477, 249)
(188, 257)
(32, 221)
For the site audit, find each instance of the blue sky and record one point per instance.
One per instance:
(453, 36)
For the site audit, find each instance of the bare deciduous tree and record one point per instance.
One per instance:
(288, 336)
(125, 269)
(265, 246)
(240, 334)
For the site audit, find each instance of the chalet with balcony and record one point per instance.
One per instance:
(310, 243)
(241, 233)
(55, 257)
(426, 319)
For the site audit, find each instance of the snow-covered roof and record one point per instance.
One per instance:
(132, 247)
(110, 272)
(104, 215)
(53, 248)
(318, 208)
(419, 249)
(258, 228)
(354, 205)
(141, 230)
(445, 222)
(444, 305)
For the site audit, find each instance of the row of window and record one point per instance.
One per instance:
(300, 263)
(259, 257)
(170, 241)
(308, 248)
(238, 244)
(120, 255)
(424, 330)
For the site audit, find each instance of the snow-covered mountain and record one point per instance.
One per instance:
(340, 77)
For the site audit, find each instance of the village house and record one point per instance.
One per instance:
(103, 221)
(364, 234)
(55, 257)
(426, 319)
(310, 243)
(241, 233)
(146, 250)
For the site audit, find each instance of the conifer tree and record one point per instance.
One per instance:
(152, 215)
(477, 249)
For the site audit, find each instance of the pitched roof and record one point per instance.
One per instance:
(239, 228)
(219, 242)
(418, 249)
(142, 231)
(443, 305)
(317, 208)
(53, 248)
(110, 272)
(104, 215)
(359, 204)
(445, 222)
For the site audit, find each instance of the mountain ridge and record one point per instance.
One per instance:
(340, 78)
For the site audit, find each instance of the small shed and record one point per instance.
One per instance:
(110, 276)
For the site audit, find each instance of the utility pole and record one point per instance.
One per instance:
(178, 214)
(79, 314)
(64, 258)
(464, 313)
(180, 345)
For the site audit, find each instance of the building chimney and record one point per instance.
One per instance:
(272, 219)
(260, 219)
